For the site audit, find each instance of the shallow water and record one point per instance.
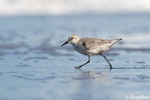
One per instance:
(33, 66)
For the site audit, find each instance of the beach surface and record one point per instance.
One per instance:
(34, 66)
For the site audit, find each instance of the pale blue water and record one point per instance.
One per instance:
(33, 66)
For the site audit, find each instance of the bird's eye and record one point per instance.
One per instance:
(71, 38)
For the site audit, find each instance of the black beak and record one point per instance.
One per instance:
(65, 43)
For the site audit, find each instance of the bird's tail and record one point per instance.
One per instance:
(109, 44)
(115, 41)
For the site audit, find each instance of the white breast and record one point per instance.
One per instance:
(80, 49)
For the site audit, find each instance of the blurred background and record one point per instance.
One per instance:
(101, 18)
(33, 66)
(68, 7)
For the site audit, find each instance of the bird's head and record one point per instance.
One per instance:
(73, 39)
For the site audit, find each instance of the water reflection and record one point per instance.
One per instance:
(87, 85)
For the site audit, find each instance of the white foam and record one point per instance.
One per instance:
(58, 7)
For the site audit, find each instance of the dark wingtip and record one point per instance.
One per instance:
(119, 39)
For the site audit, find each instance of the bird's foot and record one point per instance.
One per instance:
(78, 67)
(110, 67)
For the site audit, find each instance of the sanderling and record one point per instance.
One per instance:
(91, 46)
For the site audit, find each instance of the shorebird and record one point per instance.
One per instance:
(91, 46)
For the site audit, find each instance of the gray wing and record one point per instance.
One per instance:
(92, 43)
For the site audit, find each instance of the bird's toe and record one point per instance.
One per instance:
(78, 67)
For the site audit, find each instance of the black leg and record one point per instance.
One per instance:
(107, 61)
(84, 63)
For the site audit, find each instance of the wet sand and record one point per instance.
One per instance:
(35, 67)
(47, 72)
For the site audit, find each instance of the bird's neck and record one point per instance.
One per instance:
(74, 45)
